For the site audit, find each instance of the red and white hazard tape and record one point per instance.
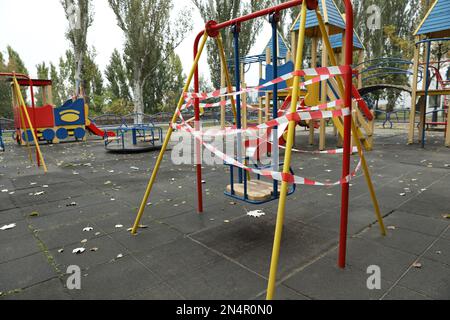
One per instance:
(207, 105)
(320, 74)
(275, 175)
(279, 122)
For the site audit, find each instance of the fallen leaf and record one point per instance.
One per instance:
(8, 227)
(78, 251)
(256, 213)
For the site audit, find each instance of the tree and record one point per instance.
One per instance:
(224, 10)
(116, 75)
(80, 17)
(56, 85)
(42, 73)
(5, 92)
(14, 64)
(173, 83)
(92, 84)
(394, 38)
(150, 39)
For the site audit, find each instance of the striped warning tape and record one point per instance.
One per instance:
(275, 175)
(319, 74)
(279, 122)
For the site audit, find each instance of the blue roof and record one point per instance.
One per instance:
(282, 49)
(336, 41)
(333, 16)
(437, 19)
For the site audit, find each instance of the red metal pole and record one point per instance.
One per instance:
(347, 135)
(197, 123)
(264, 12)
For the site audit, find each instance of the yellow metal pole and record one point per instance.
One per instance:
(27, 117)
(287, 161)
(354, 128)
(168, 136)
(227, 74)
(369, 182)
(22, 120)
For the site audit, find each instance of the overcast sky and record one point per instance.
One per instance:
(36, 29)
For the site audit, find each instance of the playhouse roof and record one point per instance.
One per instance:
(331, 15)
(282, 47)
(336, 42)
(436, 22)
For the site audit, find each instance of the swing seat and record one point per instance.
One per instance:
(256, 190)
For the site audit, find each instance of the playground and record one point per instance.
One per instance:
(224, 253)
(300, 187)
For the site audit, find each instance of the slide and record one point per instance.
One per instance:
(98, 132)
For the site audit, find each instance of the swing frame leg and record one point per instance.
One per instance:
(167, 139)
(287, 162)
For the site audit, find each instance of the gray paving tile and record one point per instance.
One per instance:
(362, 254)
(432, 279)
(160, 292)
(323, 280)
(417, 223)
(115, 280)
(49, 290)
(250, 242)
(222, 280)
(440, 252)
(146, 239)
(18, 247)
(177, 258)
(400, 293)
(284, 293)
(25, 272)
(105, 250)
(401, 239)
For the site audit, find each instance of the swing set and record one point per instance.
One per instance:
(340, 110)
